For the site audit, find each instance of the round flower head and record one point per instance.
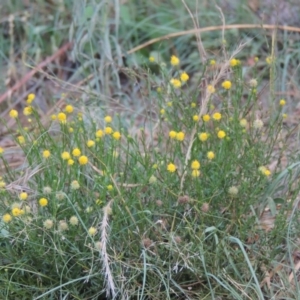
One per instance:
(23, 196)
(83, 160)
(211, 89)
(258, 124)
(27, 111)
(30, 98)
(217, 116)
(73, 221)
(43, 202)
(46, 154)
(210, 155)
(13, 114)
(71, 162)
(172, 134)
(243, 122)
(221, 134)
(110, 187)
(48, 224)
(152, 59)
(233, 62)
(226, 85)
(69, 109)
(108, 119)
(282, 102)
(253, 83)
(180, 136)
(65, 155)
(203, 136)
(21, 139)
(75, 185)
(206, 118)
(99, 133)
(63, 225)
(116, 135)
(16, 211)
(108, 130)
(174, 60)
(92, 231)
(6, 218)
(195, 165)
(1, 151)
(47, 190)
(212, 62)
(195, 118)
(195, 173)
(171, 168)
(76, 152)
(184, 77)
(90, 143)
(176, 83)
(233, 191)
(62, 118)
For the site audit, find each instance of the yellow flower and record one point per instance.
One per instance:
(193, 104)
(99, 133)
(195, 165)
(172, 134)
(195, 173)
(282, 102)
(65, 155)
(256, 59)
(158, 90)
(169, 103)
(206, 118)
(46, 153)
(62, 118)
(171, 168)
(90, 143)
(284, 116)
(13, 114)
(92, 231)
(270, 60)
(162, 111)
(75, 185)
(108, 130)
(73, 220)
(176, 83)
(184, 77)
(43, 202)
(267, 173)
(180, 136)
(21, 139)
(27, 110)
(151, 59)
(16, 211)
(174, 60)
(1, 150)
(233, 62)
(48, 224)
(30, 98)
(210, 155)
(6, 218)
(83, 160)
(212, 62)
(76, 152)
(195, 118)
(110, 187)
(23, 196)
(243, 122)
(108, 119)
(217, 116)
(203, 136)
(53, 117)
(211, 89)
(69, 109)
(70, 162)
(2, 184)
(226, 85)
(221, 134)
(116, 135)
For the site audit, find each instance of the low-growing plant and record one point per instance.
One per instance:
(173, 210)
